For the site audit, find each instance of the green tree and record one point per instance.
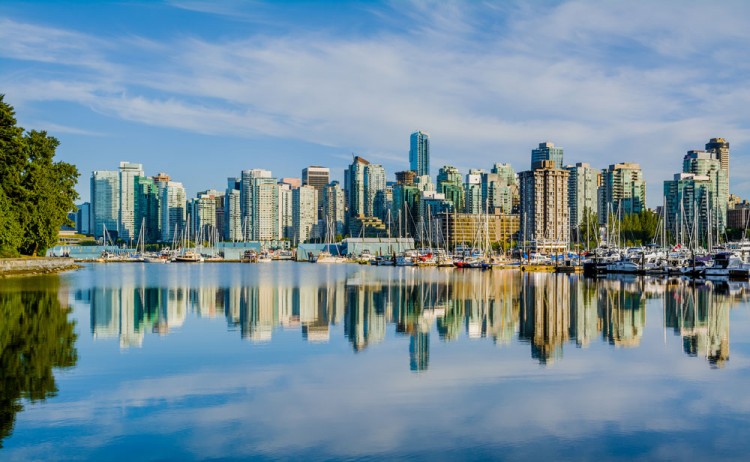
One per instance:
(588, 229)
(36, 193)
(35, 337)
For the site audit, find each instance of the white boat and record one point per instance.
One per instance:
(326, 257)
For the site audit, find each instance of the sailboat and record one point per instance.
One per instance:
(325, 255)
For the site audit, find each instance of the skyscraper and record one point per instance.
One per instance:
(419, 153)
(363, 182)
(546, 151)
(265, 209)
(286, 211)
(105, 202)
(146, 209)
(333, 206)
(128, 174)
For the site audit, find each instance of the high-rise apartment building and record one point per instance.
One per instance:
(419, 153)
(246, 198)
(128, 174)
(105, 203)
(265, 209)
(173, 211)
(363, 181)
(546, 151)
(544, 208)
(582, 192)
(623, 191)
(374, 185)
(304, 212)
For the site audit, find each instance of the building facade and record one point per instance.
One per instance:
(544, 220)
(419, 153)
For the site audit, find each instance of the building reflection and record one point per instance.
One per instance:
(545, 311)
(699, 313)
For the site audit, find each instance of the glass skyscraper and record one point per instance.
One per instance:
(419, 153)
(546, 151)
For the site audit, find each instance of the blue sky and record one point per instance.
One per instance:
(203, 89)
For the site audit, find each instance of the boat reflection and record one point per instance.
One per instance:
(545, 311)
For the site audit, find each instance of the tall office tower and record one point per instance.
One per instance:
(406, 177)
(232, 211)
(624, 191)
(582, 192)
(265, 209)
(404, 210)
(334, 207)
(128, 174)
(246, 198)
(546, 151)
(304, 212)
(173, 211)
(419, 153)
(146, 209)
(317, 177)
(286, 211)
(105, 203)
(544, 208)
(720, 147)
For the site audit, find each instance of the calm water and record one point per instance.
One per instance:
(299, 361)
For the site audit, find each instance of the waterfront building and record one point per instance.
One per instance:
(232, 211)
(546, 152)
(708, 164)
(469, 229)
(293, 182)
(105, 203)
(173, 211)
(473, 191)
(623, 191)
(128, 174)
(544, 208)
(160, 180)
(304, 212)
(738, 217)
(419, 153)
(374, 185)
(383, 203)
(499, 190)
(582, 192)
(317, 177)
(246, 198)
(205, 223)
(448, 174)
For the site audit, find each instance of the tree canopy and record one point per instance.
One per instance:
(36, 193)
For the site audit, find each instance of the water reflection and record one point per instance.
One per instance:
(546, 311)
(35, 337)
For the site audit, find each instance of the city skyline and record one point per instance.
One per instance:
(253, 85)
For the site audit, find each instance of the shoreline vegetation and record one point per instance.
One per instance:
(36, 192)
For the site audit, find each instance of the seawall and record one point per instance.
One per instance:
(29, 266)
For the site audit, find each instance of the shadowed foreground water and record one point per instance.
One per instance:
(299, 361)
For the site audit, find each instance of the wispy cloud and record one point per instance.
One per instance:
(636, 80)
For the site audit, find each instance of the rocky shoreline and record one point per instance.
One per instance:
(35, 266)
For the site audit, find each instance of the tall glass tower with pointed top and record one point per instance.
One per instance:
(419, 153)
